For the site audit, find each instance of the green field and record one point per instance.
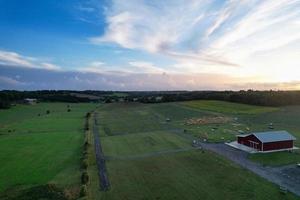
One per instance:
(147, 146)
(228, 107)
(38, 148)
(139, 144)
(286, 118)
(277, 158)
(134, 118)
(151, 158)
(186, 175)
(124, 118)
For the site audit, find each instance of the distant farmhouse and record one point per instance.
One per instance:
(30, 101)
(269, 141)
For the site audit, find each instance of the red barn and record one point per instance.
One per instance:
(268, 141)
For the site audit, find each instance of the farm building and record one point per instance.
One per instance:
(268, 141)
(30, 101)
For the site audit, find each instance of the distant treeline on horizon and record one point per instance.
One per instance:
(253, 97)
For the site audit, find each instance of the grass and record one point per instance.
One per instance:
(35, 150)
(117, 119)
(186, 175)
(41, 149)
(34, 159)
(140, 129)
(124, 118)
(228, 107)
(214, 133)
(142, 143)
(276, 158)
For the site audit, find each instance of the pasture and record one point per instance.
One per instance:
(186, 175)
(140, 144)
(149, 157)
(228, 107)
(147, 146)
(38, 148)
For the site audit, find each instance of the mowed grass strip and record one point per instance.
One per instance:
(125, 118)
(186, 175)
(177, 112)
(228, 107)
(277, 158)
(41, 149)
(142, 143)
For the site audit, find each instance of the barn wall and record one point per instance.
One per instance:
(245, 141)
(278, 145)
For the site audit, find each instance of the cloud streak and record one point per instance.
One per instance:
(10, 58)
(39, 79)
(207, 35)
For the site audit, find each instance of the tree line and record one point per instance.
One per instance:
(253, 97)
(9, 97)
(263, 98)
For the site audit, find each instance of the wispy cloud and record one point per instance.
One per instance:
(145, 67)
(14, 59)
(34, 79)
(174, 44)
(132, 67)
(11, 81)
(208, 36)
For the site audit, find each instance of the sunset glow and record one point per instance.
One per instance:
(114, 45)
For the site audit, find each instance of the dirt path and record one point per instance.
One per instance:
(102, 172)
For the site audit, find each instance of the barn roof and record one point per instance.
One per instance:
(274, 136)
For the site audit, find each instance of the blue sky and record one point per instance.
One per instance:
(149, 45)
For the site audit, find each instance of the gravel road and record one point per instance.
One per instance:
(102, 172)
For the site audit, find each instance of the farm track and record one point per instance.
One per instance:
(100, 159)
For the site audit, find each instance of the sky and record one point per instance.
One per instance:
(150, 44)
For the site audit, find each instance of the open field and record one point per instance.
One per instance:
(143, 160)
(228, 107)
(38, 148)
(147, 146)
(135, 118)
(277, 158)
(136, 144)
(186, 175)
(286, 118)
(124, 118)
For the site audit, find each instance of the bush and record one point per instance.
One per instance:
(86, 125)
(86, 145)
(84, 177)
(85, 164)
(88, 115)
(83, 191)
(48, 112)
(48, 191)
(69, 110)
